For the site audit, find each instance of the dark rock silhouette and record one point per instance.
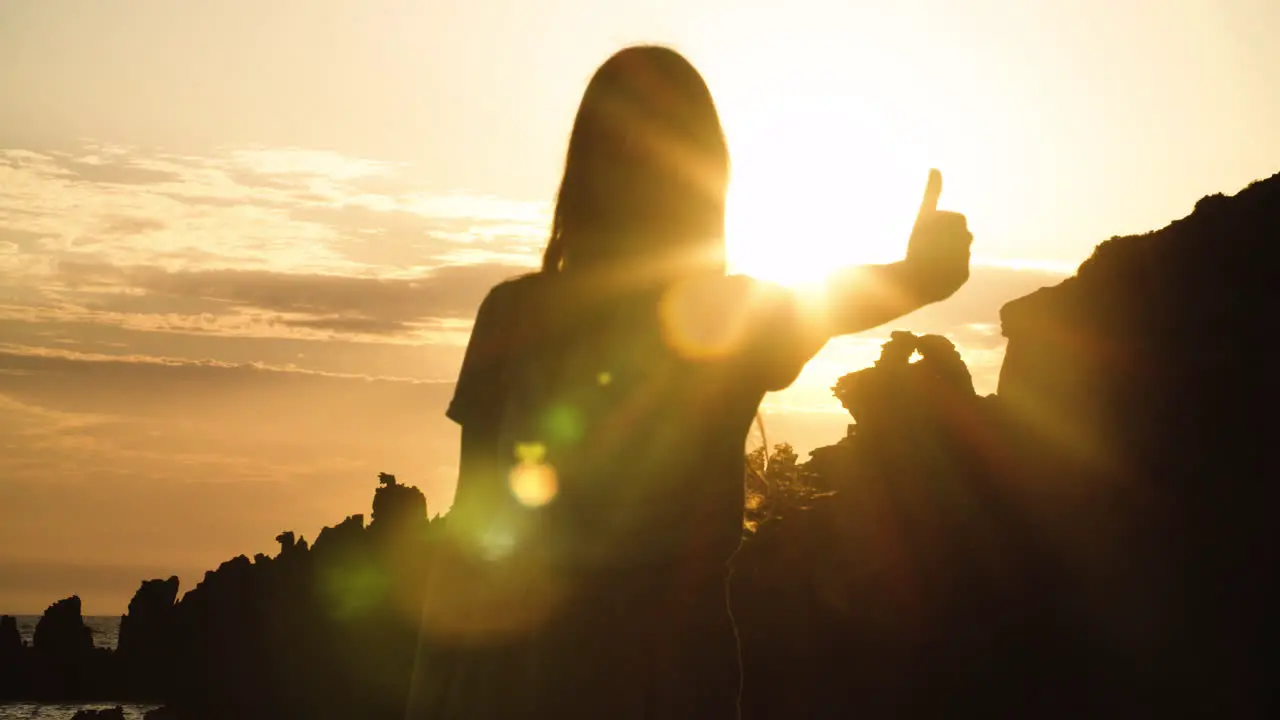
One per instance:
(1091, 541)
(61, 630)
(894, 389)
(10, 639)
(326, 630)
(11, 656)
(395, 504)
(881, 598)
(1144, 417)
(289, 543)
(146, 635)
(61, 662)
(143, 628)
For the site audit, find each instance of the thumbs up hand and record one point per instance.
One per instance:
(938, 251)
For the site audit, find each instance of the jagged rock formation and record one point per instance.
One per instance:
(397, 504)
(883, 395)
(288, 543)
(880, 599)
(61, 630)
(146, 637)
(1092, 541)
(10, 638)
(316, 631)
(11, 650)
(1133, 389)
(61, 662)
(326, 630)
(143, 628)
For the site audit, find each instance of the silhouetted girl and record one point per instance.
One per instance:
(605, 403)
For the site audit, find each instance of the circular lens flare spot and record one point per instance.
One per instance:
(701, 320)
(533, 484)
(562, 424)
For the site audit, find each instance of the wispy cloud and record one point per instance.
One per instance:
(256, 208)
(358, 305)
(251, 242)
(22, 360)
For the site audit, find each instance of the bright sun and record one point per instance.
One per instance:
(818, 185)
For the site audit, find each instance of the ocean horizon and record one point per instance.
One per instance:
(106, 634)
(105, 629)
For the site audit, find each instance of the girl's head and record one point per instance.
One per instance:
(646, 172)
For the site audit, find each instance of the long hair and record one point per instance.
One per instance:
(646, 171)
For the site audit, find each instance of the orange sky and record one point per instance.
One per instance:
(241, 243)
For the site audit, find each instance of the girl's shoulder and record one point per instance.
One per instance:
(762, 327)
(732, 299)
(514, 288)
(504, 300)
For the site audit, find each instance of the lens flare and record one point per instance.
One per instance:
(699, 320)
(533, 481)
(562, 424)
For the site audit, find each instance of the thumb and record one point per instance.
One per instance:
(932, 191)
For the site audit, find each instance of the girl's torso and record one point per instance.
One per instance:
(621, 418)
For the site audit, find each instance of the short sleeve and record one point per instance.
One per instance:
(478, 390)
(758, 331)
(782, 334)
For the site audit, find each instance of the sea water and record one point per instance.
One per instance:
(105, 628)
(106, 633)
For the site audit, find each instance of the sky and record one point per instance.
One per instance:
(242, 242)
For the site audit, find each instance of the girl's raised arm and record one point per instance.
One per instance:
(776, 331)
(936, 265)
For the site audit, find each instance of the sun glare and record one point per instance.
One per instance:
(818, 184)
